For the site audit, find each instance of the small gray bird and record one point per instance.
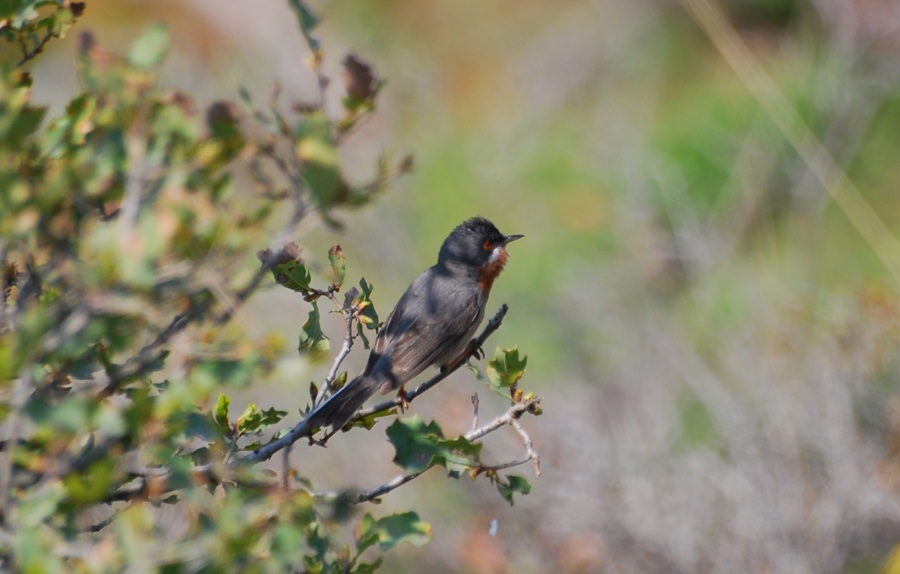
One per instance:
(433, 322)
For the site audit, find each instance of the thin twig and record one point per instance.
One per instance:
(510, 417)
(505, 465)
(339, 359)
(286, 468)
(27, 54)
(103, 523)
(529, 447)
(153, 482)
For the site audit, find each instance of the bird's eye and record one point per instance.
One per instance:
(488, 245)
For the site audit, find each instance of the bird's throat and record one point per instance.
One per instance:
(491, 271)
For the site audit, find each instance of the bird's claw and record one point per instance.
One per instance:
(475, 350)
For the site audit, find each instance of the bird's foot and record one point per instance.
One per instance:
(475, 349)
(404, 399)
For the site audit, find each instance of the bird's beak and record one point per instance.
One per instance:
(511, 238)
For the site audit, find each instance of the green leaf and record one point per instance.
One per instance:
(220, 414)
(39, 504)
(513, 484)
(462, 454)
(312, 339)
(366, 534)
(307, 20)
(367, 567)
(368, 422)
(19, 119)
(93, 484)
(414, 443)
(419, 446)
(254, 420)
(148, 51)
(288, 268)
(230, 372)
(319, 160)
(391, 530)
(505, 370)
(367, 315)
(72, 415)
(338, 264)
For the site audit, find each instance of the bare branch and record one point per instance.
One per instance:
(153, 482)
(30, 54)
(339, 359)
(529, 447)
(103, 523)
(510, 417)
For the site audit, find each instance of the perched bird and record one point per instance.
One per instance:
(432, 324)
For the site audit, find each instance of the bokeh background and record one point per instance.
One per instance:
(707, 290)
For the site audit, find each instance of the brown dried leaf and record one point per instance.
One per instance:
(360, 82)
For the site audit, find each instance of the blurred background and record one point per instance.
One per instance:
(707, 290)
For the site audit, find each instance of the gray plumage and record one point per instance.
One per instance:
(432, 323)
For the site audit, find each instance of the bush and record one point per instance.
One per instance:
(126, 253)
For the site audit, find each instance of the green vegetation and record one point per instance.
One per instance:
(133, 230)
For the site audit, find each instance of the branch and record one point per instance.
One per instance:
(349, 315)
(529, 447)
(152, 483)
(510, 417)
(303, 428)
(30, 54)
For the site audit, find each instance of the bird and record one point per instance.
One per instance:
(433, 322)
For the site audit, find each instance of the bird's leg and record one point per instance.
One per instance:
(404, 399)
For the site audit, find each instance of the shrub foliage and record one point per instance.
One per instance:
(133, 228)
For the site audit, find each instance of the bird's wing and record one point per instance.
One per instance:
(423, 328)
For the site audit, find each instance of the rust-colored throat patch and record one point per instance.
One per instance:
(492, 269)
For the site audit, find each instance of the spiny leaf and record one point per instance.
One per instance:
(513, 484)
(505, 370)
(419, 446)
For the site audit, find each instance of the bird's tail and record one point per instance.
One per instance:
(342, 405)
